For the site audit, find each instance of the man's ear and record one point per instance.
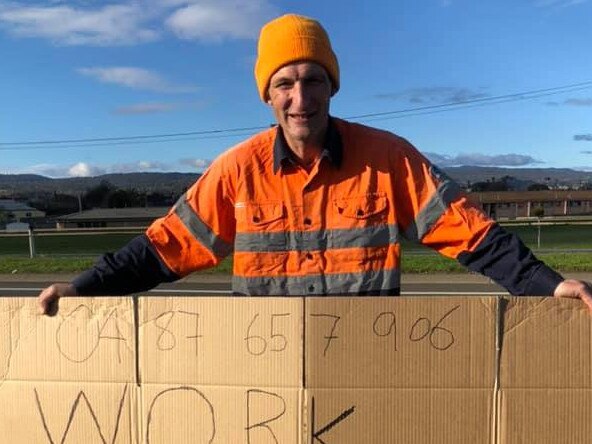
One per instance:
(333, 89)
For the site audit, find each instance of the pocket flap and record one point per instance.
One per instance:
(264, 213)
(361, 207)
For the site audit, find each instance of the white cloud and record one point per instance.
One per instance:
(136, 78)
(146, 165)
(134, 21)
(147, 108)
(121, 24)
(477, 159)
(579, 102)
(158, 107)
(199, 164)
(557, 3)
(435, 94)
(82, 169)
(217, 20)
(572, 102)
(42, 169)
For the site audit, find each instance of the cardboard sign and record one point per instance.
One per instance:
(295, 370)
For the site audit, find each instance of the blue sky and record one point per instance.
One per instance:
(489, 82)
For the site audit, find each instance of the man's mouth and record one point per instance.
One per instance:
(301, 116)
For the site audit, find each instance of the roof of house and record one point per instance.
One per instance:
(116, 214)
(13, 205)
(532, 196)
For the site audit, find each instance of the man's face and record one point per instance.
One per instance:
(299, 94)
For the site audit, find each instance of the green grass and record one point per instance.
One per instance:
(46, 265)
(555, 236)
(434, 263)
(81, 244)
(74, 253)
(411, 263)
(50, 265)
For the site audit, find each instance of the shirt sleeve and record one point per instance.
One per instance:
(503, 257)
(135, 267)
(439, 215)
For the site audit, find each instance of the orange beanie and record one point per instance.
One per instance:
(291, 38)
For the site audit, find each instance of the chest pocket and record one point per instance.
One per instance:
(370, 209)
(260, 216)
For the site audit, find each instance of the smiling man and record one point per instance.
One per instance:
(316, 205)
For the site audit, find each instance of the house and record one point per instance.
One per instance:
(15, 211)
(111, 218)
(515, 204)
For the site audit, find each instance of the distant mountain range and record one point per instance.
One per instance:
(23, 184)
(143, 182)
(522, 177)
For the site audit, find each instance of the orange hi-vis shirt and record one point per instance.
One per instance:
(334, 229)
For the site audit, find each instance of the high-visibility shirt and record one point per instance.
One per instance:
(335, 229)
(332, 230)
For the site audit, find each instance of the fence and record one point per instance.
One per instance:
(69, 242)
(553, 234)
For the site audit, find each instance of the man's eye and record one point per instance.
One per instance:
(315, 81)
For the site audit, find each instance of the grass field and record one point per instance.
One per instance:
(73, 253)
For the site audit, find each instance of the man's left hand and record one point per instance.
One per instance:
(571, 288)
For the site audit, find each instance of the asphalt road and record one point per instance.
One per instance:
(421, 285)
(216, 285)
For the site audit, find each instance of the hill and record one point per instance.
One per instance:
(175, 183)
(523, 176)
(23, 184)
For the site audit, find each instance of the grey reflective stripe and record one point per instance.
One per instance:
(318, 284)
(376, 236)
(200, 231)
(447, 192)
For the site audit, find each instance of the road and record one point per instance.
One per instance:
(203, 285)
(216, 285)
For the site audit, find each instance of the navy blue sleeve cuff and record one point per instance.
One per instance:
(135, 267)
(504, 258)
(543, 282)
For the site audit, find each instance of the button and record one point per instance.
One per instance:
(310, 288)
(256, 219)
(307, 221)
(359, 213)
(308, 256)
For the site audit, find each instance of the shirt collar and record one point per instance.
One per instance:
(332, 147)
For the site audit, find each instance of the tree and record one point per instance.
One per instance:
(98, 197)
(538, 212)
(537, 187)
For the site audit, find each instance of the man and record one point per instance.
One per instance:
(316, 205)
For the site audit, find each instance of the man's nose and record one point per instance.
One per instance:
(300, 95)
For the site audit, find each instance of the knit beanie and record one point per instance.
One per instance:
(291, 38)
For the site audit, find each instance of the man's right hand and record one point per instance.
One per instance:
(48, 298)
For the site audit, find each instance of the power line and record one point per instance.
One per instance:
(94, 144)
(525, 95)
(131, 138)
(463, 105)
(236, 132)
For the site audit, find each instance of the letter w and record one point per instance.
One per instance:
(81, 395)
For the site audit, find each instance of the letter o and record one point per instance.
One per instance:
(165, 412)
